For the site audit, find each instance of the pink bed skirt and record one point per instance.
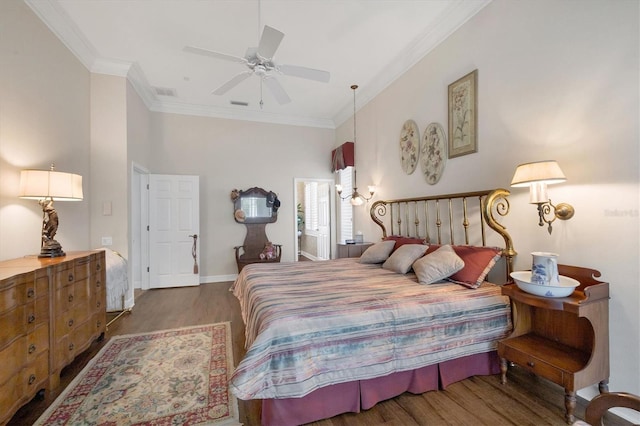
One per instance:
(362, 395)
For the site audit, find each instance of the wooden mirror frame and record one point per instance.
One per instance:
(271, 203)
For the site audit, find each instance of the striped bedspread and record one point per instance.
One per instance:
(313, 324)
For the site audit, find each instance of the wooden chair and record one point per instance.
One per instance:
(600, 404)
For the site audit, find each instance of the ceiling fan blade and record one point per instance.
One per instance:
(211, 53)
(269, 42)
(232, 83)
(277, 90)
(302, 72)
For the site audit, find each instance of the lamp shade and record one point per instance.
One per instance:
(538, 172)
(58, 186)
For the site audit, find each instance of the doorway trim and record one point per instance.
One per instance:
(139, 235)
(332, 213)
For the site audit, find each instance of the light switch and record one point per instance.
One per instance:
(107, 241)
(106, 208)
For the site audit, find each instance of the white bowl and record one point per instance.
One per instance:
(563, 289)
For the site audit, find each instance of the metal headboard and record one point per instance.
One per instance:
(447, 219)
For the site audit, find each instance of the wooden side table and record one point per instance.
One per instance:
(565, 340)
(352, 250)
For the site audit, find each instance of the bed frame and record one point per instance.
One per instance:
(460, 218)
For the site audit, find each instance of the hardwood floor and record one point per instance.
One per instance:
(525, 400)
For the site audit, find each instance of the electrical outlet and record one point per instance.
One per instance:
(107, 241)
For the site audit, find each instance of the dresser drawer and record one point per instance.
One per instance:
(12, 324)
(13, 358)
(10, 394)
(37, 342)
(531, 363)
(36, 313)
(63, 275)
(82, 267)
(12, 293)
(35, 375)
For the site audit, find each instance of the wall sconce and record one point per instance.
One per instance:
(48, 186)
(356, 198)
(537, 176)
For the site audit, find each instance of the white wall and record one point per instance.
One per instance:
(109, 166)
(231, 154)
(44, 119)
(556, 80)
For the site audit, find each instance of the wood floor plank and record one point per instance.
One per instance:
(524, 400)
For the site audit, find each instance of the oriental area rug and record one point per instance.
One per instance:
(170, 377)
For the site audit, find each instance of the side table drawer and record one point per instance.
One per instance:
(531, 363)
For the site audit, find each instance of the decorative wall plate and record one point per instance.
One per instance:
(409, 146)
(433, 154)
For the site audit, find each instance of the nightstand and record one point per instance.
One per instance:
(352, 250)
(565, 340)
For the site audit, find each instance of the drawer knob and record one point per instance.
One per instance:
(32, 348)
(71, 346)
(31, 318)
(99, 324)
(70, 322)
(98, 267)
(32, 379)
(98, 304)
(531, 364)
(30, 293)
(70, 277)
(70, 298)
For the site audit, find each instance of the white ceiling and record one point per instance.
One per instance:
(364, 42)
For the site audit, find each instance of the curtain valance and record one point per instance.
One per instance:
(343, 156)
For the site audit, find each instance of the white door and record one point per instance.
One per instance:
(174, 220)
(323, 245)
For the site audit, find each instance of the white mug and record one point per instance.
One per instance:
(544, 268)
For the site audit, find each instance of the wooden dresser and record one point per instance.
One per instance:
(50, 311)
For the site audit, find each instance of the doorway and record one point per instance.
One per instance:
(313, 212)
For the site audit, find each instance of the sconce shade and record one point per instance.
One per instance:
(50, 184)
(538, 172)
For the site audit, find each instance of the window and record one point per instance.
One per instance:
(345, 227)
(311, 206)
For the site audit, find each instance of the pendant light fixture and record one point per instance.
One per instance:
(356, 198)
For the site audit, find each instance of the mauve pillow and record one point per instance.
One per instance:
(400, 240)
(377, 253)
(401, 259)
(478, 261)
(438, 265)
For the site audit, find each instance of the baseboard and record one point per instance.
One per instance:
(217, 278)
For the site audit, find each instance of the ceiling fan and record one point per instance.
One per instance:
(259, 61)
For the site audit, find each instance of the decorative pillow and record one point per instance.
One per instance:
(377, 253)
(401, 259)
(438, 265)
(400, 240)
(478, 261)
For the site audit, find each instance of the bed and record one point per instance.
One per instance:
(329, 337)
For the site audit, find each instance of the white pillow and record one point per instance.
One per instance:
(401, 260)
(438, 265)
(377, 253)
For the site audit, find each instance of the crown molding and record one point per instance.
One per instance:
(457, 13)
(176, 107)
(53, 15)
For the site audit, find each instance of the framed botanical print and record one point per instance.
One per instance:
(463, 115)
